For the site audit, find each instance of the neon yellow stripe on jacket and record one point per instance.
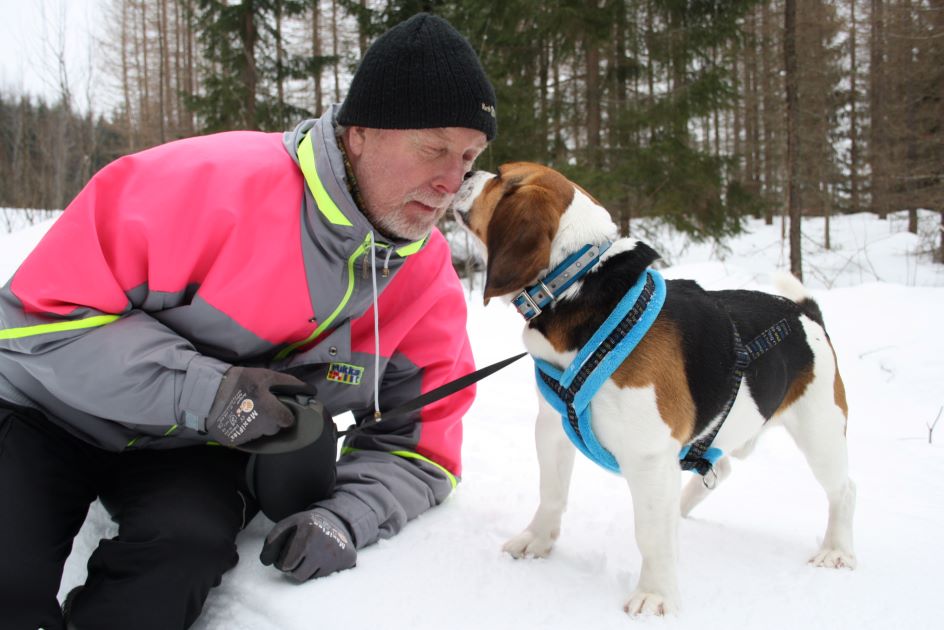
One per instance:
(306, 159)
(411, 455)
(412, 248)
(44, 329)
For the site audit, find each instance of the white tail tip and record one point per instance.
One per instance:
(789, 287)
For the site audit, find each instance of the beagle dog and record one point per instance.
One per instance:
(674, 388)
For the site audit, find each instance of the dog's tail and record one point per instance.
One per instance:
(792, 289)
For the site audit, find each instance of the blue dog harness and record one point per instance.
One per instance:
(570, 391)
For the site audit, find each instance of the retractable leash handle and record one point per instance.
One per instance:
(310, 418)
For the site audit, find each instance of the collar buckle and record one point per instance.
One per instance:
(526, 305)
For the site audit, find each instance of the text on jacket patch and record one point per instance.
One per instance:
(345, 373)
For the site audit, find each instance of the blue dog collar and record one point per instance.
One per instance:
(534, 299)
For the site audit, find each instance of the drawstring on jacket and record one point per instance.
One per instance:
(373, 278)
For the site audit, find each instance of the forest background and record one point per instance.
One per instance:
(693, 112)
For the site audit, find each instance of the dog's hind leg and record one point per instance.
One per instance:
(698, 488)
(556, 463)
(817, 423)
(823, 443)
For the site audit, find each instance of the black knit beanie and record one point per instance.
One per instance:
(421, 74)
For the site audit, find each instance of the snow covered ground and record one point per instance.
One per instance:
(743, 551)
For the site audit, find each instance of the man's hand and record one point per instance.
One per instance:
(246, 407)
(308, 545)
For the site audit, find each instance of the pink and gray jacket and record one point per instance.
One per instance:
(242, 248)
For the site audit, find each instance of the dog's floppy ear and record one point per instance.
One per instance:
(519, 238)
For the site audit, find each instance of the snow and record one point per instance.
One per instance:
(743, 551)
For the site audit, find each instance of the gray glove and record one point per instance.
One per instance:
(246, 407)
(308, 545)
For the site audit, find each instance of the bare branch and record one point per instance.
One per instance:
(932, 425)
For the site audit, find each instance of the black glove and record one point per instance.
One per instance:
(308, 545)
(246, 407)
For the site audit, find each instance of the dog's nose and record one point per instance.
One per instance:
(468, 175)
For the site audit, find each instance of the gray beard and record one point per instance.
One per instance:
(396, 226)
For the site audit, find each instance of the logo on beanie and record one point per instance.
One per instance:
(345, 373)
(488, 108)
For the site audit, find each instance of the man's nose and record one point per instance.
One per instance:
(451, 179)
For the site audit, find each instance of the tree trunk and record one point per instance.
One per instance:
(738, 122)
(877, 86)
(617, 106)
(190, 80)
(316, 52)
(940, 249)
(544, 113)
(560, 153)
(770, 115)
(717, 110)
(793, 189)
(592, 91)
(650, 68)
(125, 79)
(249, 36)
(906, 170)
(17, 133)
(143, 81)
(279, 69)
(853, 113)
(334, 50)
(751, 107)
(162, 70)
(178, 72)
(575, 99)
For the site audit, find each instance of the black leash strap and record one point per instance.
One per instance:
(440, 392)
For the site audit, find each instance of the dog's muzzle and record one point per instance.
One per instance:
(462, 216)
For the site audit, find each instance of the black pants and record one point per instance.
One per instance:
(178, 513)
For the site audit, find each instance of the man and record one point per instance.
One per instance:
(184, 289)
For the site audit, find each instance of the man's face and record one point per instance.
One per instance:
(408, 176)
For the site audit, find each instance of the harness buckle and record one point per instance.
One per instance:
(711, 483)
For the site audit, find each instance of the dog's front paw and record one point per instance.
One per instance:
(528, 544)
(643, 603)
(834, 559)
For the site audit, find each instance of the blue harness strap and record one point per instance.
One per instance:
(569, 392)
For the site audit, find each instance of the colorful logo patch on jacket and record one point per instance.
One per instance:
(345, 373)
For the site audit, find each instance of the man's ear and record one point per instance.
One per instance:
(354, 140)
(519, 239)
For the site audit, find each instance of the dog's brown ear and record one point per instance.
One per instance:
(519, 238)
